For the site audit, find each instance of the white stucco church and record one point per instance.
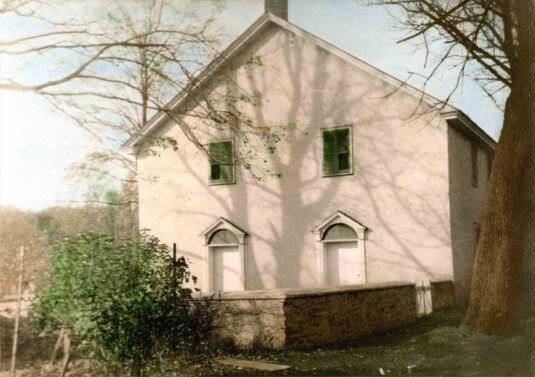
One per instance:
(354, 189)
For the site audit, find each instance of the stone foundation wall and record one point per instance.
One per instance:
(276, 319)
(249, 322)
(443, 293)
(347, 313)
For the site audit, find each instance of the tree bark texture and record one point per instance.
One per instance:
(498, 259)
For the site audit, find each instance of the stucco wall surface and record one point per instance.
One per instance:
(398, 189)
(467, 204)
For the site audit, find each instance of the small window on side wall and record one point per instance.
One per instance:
(337, 159)
(221, 162)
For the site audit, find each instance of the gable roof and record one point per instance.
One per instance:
(250, 35)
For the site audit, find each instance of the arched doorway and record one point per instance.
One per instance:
(344, 263)
(227, 267)
(341, 250)
(225, 257)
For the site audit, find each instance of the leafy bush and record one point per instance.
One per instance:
(122, 302)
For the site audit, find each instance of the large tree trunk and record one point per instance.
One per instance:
(497, 264)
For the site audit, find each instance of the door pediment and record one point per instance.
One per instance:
(339, 218)
(223, 223)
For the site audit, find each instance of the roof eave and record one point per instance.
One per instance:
(461, 121)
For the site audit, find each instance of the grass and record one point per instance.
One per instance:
(434, 346)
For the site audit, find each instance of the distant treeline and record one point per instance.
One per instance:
(36, 231)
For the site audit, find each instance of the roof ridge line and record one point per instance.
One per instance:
(245, 36)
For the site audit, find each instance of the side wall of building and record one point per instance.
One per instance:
(467, 203)
(398, 190)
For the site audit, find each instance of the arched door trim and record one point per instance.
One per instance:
(339, 218)
(319, 232)
(222, 224)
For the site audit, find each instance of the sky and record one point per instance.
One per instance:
(38, 145)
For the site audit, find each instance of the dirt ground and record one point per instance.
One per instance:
(434, 346)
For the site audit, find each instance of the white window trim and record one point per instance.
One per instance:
(220, 224)
(319, 231)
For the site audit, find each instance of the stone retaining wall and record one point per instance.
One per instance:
(249, 322)
(443, 294)
(347, 313)
(298, 317)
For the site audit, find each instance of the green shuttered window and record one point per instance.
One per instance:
(337, 158)
(221, 162)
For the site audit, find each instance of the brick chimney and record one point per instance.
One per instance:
(277, 7)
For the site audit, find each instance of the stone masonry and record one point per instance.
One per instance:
(281, 318)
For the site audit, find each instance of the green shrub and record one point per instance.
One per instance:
(122, 302)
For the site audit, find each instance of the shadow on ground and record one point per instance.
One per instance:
(434, 346)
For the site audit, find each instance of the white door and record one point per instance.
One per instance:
(344, 264)
(227, 270)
